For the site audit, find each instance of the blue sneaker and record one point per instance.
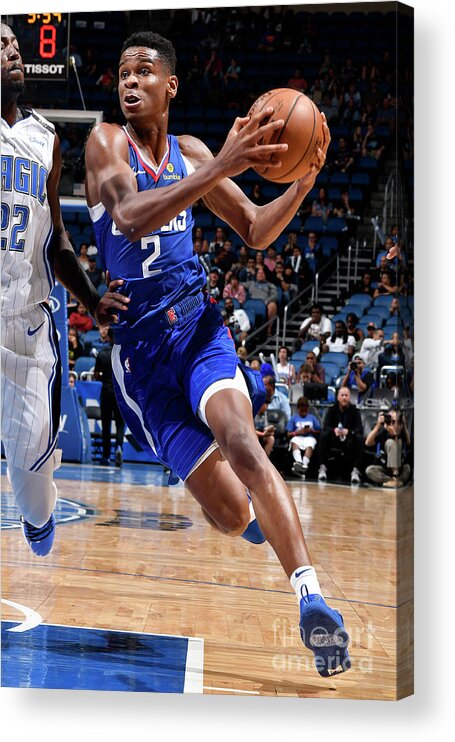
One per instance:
(322, 630)
(41, 539)
(252, 532)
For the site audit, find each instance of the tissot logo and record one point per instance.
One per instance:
(44, 69)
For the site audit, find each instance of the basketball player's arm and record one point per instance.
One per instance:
(258, 226)
(109, 177)
(67, 267)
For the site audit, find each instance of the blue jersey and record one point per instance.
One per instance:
(160, 269)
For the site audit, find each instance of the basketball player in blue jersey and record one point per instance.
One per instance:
(33, 248)
(180, 387)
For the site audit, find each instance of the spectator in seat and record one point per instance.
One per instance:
(299, 267)
(311, 252)
(80, 319)
(108, 405)
(213, 288)
(393, 354)
(103, 341)
(284, 277)
(249, 272)
(351, 323)
(285, 369)
(297, 81)
(83, 257)
(237, 320)
(242, 353)
(358, 376)
(366, 284)
(317, 369)
(95, 274)
(256, 195)
(343, 159)
(288, 249)
(241, 260)
(302, 431)
(219, 239)
(203, 258)
(76, 348)
(270, 260)
(339, 341)
(316, 327)
(342, 430)
(276, 400)
(386, 284)
(266, 292)
(372, 345)
(198, 234)
(234, 289)
(322, 207)
(264, 430)
(389, 435)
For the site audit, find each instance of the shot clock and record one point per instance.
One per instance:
(44, 43)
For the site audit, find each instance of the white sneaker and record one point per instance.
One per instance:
(355, 476)
(322, 474)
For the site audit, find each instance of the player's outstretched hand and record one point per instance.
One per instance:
(111, 303)
(307, 181)
(243, 149)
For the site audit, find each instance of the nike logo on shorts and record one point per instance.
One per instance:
(32, 332)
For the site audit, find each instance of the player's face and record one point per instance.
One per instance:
(145, 83)
(11, 61)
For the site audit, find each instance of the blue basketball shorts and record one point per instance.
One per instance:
(159, 383)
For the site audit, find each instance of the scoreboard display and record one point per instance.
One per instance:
(44, 43)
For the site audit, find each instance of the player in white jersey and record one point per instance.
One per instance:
(34, 248)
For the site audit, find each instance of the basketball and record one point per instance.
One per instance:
(302, 131)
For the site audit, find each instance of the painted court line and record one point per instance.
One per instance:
(32, 618)
(232, 690)
(194, 669)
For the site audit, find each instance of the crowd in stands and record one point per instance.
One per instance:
(347, 64)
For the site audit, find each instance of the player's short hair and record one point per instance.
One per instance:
(151, 40)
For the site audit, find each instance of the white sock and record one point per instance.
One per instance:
(252, 513)
(296, 455)
(305, 582)
(306, 461)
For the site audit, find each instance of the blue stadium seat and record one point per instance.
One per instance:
(258, 307)
(338, 359)
(331, 371)
(339, 316)
(314, 224)
(374, 317)
(329, 246)
(364, 300)
(84, 363)
(336, 225)
(355, 308)
(383, 301)
(300, 356)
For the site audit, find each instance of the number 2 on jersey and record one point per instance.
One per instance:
(23, 212)
(147, 243)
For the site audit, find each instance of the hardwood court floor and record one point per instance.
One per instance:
(145, 560)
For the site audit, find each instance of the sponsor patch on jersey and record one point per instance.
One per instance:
(170, 167)
(171, 316)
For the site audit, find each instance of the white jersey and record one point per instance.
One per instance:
(26, 226)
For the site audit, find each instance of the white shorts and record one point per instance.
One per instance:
(304, 441)
(31, 387)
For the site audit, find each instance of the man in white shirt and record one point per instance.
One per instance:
(316, 327)
(372, 347)
(237, 319)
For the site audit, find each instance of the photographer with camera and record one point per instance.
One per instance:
(342, 432)
(357, 376)
(389, 435)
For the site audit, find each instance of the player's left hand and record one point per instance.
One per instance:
(306, 182)
(111, 302)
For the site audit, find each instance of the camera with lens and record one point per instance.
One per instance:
(388, 419)
(353, 365)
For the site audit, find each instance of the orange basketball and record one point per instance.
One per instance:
(302, 132)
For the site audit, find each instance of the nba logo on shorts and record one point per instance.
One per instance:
(171, 316)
